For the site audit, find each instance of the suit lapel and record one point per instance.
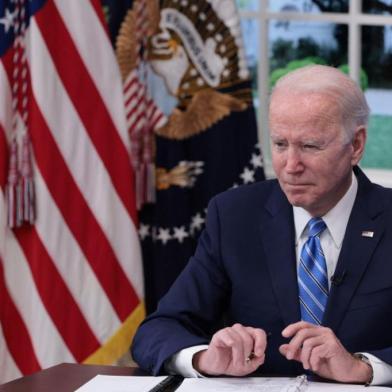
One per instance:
(356, 252)
(278, 240)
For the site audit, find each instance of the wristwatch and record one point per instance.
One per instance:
(366, 360)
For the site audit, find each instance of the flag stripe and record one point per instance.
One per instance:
(96, 4)
(130, 84)
(5, 107)
(3, 157)
(158, 121)
(105, 74)
(136, 118)
(134, 102)
(48, 344)
(46, 276)
(15, 331)
(74, 206)
(85, 105)
(82, 160)
(7, 364)
(73, 266)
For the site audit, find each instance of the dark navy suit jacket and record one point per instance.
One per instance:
(244, 270)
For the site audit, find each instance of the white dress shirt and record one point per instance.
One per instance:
(331, 242)
(332, 237)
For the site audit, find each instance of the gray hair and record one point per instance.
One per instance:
(333, 83)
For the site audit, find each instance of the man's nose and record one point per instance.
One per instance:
(294, 162)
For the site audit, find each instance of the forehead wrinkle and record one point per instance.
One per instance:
(299, 111)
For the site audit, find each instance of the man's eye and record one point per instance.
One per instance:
(310, 147)
(279, 144)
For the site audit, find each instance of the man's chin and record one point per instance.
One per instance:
(298, 203)
(304, 202)
(298, 200)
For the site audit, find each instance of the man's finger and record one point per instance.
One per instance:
(238, 350)
(259, 340)
(248, 341)
(295, 344)
(307, 348)
(316, 357)
(292, 329)
(283, 350)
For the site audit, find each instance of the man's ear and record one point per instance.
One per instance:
(358, 144)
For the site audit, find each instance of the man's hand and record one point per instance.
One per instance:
(234, 351)
(319, 350)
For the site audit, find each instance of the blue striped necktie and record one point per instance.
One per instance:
(312, 275)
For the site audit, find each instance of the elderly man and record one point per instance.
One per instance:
(299, 269)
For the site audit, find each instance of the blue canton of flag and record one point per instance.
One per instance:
(7, 18)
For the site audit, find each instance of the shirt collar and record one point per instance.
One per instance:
(336, 219)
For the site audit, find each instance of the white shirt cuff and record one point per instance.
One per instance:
(181, 362)
(382, 372)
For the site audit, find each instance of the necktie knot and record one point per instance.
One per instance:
(316, 226)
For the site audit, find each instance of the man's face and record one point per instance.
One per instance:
(311, 155)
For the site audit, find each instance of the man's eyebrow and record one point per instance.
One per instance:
(313, 141)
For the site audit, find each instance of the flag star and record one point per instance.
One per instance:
(197, 222)
(256, 161)
(180, 233)
(7, 20)
(248, 176)
(163, 235)
(144, 231)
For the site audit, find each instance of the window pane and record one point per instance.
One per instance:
(309, 42)
(308, 6)
(250, 33)
(377, 64)
(248, 5)
(381, 7)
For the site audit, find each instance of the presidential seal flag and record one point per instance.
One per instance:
(209, 142)
(71, 282)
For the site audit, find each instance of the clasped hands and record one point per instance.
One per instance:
(240, 350)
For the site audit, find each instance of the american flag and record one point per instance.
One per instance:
(71, 283)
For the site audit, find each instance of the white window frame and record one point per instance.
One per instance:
(354, 19)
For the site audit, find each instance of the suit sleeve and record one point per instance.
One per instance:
(187, 315)
(384, 354)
